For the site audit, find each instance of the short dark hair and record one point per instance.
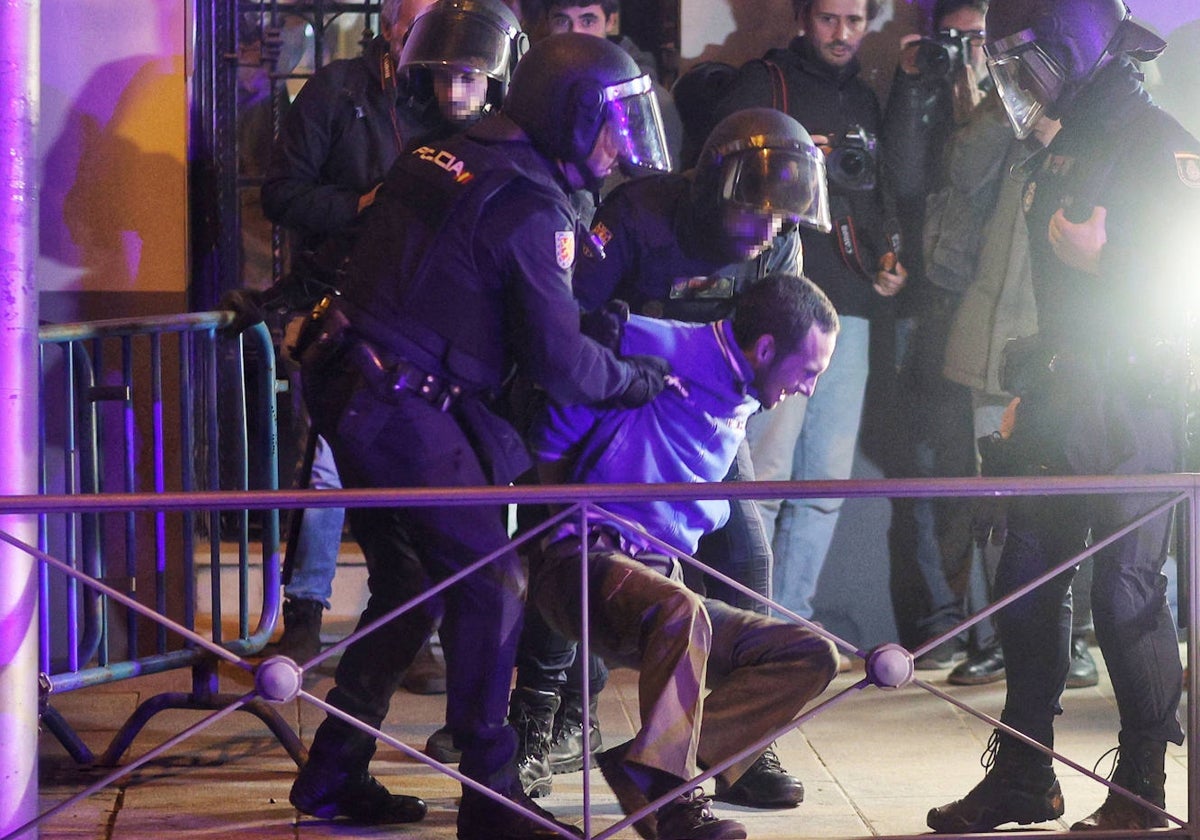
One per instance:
(801, 7)
(609, 7)
(784, 306)
(948, 7)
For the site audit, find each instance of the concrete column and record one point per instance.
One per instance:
(20, 42)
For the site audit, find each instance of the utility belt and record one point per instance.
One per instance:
(1081, 408)
(327, 337)
(1156, 372)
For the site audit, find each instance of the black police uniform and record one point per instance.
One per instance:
(1102, 396)
(462, 270)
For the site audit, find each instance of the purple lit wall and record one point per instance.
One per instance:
(113, 215)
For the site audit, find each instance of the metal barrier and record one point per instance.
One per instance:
(889, 667)
(118, 415)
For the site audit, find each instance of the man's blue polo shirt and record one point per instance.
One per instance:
(689, 433)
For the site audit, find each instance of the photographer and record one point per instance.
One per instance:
(939, 82)
(816, 81)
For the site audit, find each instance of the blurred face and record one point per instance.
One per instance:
(747, 232)
(461, 94)
(777, 377)
(605, 154)
(590, 20)
(970, 20)
(835, 28)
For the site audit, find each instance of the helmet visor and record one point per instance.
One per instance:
(788, 182)
(454, 38)
(1027, 79)
(633, 112)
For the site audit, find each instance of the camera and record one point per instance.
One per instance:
(850, 159)
(944, 54)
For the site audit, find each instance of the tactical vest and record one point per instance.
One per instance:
(413, 287)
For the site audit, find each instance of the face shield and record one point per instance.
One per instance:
(461, 40)
(633, 113)
(785, 182)
(1027, 79)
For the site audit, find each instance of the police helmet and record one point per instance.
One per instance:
(566, 89)
(1042, 52)
(466, 35)
(763, 161)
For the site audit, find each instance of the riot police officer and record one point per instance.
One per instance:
(462, 273)
(1107, 208)
(447, 57)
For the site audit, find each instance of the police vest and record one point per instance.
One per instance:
(412, 285)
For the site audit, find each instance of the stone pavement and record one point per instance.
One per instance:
(873, 763)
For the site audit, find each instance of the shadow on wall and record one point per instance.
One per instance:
(114, 195)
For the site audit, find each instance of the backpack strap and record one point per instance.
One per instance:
(779, 91)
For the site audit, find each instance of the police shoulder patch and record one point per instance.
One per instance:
(601, 232)
(564, 248)
(1188, 167)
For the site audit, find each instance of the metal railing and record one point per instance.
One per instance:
(888, 667)
(158, 404)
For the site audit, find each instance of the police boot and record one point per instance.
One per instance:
(566, 750)
(301, 639)
(531, 714)
(481, 818)
(1018, 787)
(334, 782)
(1140, 770)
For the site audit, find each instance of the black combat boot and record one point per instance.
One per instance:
(481, 818)
(531, 714)
(1019, 787)
(764, 785)
(566, 749)
(301, 639)
(334, 782)
(1140, 770)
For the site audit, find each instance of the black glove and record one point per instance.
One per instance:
(247, 306)
(606, 324)
(649, 377)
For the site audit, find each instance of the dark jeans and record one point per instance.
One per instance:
(549, 661)
(406, 442)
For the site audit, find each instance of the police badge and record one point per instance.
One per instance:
(1188, 167)
(564, 248)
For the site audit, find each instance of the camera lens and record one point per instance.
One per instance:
(852, 163)
(933, 59)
